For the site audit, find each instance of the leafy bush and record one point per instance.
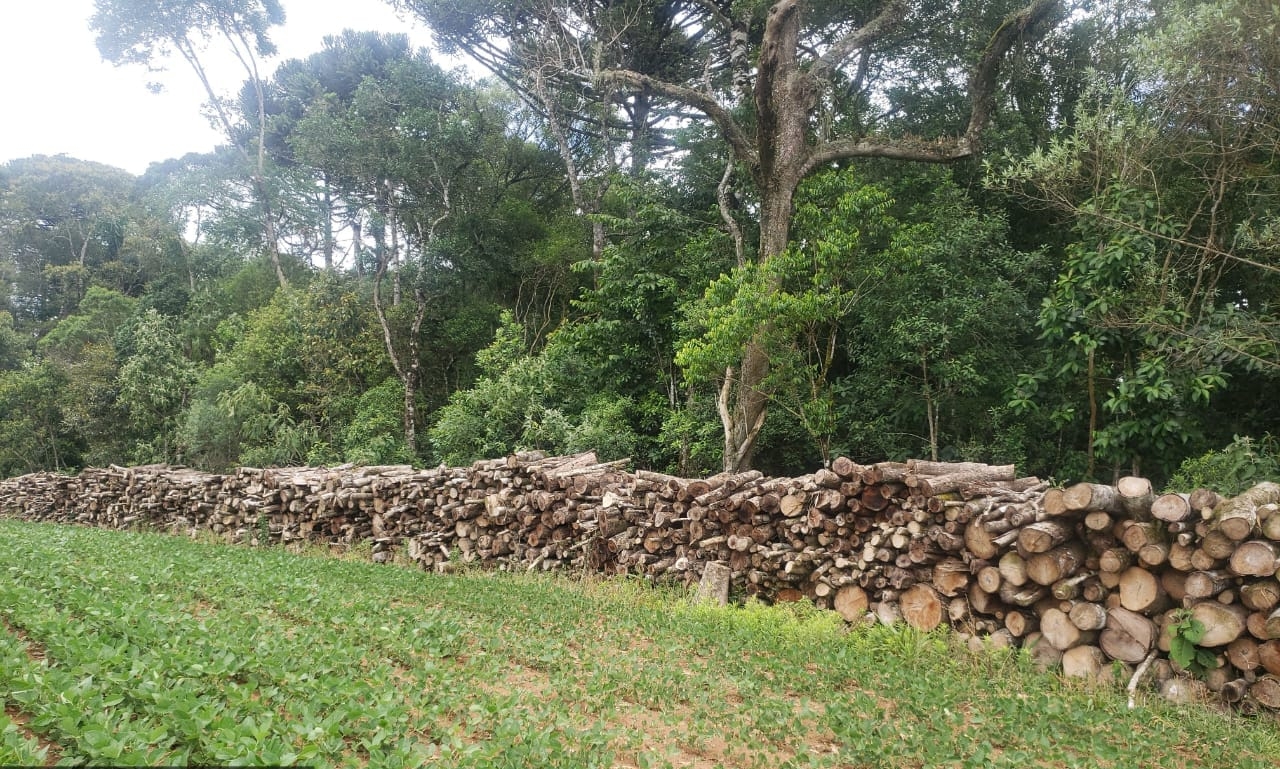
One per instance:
(605, 427)
(243, 425)
(1233, 469)
(376, 434)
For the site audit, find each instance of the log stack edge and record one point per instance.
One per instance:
(1083, 576)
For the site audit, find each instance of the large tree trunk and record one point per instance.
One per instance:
(783, 97)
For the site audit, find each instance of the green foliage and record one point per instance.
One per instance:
(32, 433)
(62, 222)
(155, 380)
(923, 372)
(793, 305)
(97, 318)
(537, 400)
(241, 425)
(375, 435)
(1165, 298)
(1103, 332)
(1185, 632)
(13, 347)
(1233, 469)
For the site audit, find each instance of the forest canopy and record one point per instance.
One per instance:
(705, 235)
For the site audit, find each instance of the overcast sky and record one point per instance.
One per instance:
(59, 97)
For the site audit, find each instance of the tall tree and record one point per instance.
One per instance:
(542, 49)
(146, 32)
(771, 81)
(402, 144)
(299, 90)
(63, 227)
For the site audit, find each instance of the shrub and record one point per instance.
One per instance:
(1243, 463)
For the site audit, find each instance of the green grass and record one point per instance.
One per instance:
(143, 649)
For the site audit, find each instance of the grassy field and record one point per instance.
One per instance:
(146, 649)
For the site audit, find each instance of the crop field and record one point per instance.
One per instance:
(145, 649)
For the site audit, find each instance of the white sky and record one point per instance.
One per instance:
(57, 96)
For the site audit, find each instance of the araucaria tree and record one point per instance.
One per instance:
(793, 87)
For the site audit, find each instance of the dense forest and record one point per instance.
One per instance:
(702, 234)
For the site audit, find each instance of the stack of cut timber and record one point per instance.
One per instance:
(1086, 575)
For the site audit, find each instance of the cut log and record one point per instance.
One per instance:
(1069, 589)
(1043, 536)
(1217, 545)
(1266, 691)
(1019, 623)
(1059, 631)
(1093, 496)
(793, 504)
(1180, 557)
(1115, 560)
(1237, 517)
(1088, 616)
(1269, 524)
(1098, 520)
(1013, 569)
(1242, 653)
(1234, 691)
(1043, 655)
(1053, 503)
(984, 602)
(1062, 561)
(1154, 554)
(1222, 623)
(1021, 596)
(1203, 501)
(1171, 508)
(1138, 534)
(1140, 591)
(921, 606)
(1174, 583)
(950, 577)
(980, 542)
(1128, 636)
(1202, 561)
(1256, 624)
(989, 579)
(1269, 656)
(1255, 558)
(1084, 662)
(1136, 497)
(1260, 596)
(851, 603)
(1206, 584)
(1238, 524)
(941, 484)
(845, 468)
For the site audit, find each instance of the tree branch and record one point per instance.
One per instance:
(943, 151)
(1031, 23)
(700, 101)
(878, 28)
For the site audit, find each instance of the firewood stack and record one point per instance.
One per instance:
(1083, 575)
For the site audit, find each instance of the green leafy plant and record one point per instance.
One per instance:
(1233, 469)
(1185, 633)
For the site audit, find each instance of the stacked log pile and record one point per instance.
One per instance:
(1084, 576)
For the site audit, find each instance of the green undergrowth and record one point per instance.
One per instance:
(136, 648)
